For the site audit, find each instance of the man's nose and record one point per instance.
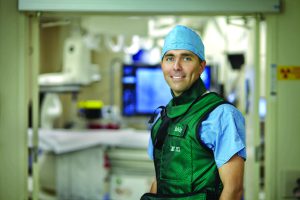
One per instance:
(177, 65)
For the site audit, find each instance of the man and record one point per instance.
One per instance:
(198, 142)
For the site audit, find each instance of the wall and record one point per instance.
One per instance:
(282, 125)
(13, 101)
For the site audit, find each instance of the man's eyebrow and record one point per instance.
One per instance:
(187, 54)
(183, 54)
(169, 54)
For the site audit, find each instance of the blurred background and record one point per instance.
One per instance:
(79, 82)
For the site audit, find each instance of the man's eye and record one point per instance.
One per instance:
(169, 59)
(187, 58)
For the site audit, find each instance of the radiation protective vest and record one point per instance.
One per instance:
(185, 168)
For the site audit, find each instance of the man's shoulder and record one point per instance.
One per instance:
(224, 110)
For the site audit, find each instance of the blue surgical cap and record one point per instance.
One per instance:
(184, 38)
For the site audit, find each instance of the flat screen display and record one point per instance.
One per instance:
(151, 90)
(144, 89)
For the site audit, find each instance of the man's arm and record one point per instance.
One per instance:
(231, 174)
(153, 188)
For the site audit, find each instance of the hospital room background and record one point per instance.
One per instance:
(91, 79)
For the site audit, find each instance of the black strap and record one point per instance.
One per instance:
(163, 129)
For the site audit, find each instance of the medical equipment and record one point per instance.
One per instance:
(51, 109)
(77, 67)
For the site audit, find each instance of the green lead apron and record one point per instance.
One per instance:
(149, 196)
(185, 168)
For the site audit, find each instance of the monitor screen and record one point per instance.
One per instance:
(145, 89)
(151, 90)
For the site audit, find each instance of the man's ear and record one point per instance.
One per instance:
(202, 66)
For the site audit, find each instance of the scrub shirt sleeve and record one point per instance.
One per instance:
(224, 132)
(150, 149)
(150, 143)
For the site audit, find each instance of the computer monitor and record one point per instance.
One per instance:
(144, 89)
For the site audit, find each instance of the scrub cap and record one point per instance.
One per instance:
(182, 37)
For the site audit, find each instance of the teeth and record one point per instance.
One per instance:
(177, 77)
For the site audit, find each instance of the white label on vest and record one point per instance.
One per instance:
(178, 129)
(174, 148)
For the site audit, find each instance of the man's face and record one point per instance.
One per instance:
(181, 69)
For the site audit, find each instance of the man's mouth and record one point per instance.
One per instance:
(176, 77)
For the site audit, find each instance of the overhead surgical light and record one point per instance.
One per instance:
(134, 47)
(114, 46)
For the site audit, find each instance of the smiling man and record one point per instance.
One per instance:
(198, 141)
